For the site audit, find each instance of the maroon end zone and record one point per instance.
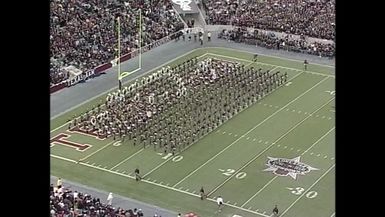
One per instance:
(88, 133)
(60, 139)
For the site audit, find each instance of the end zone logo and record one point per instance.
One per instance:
(285, 167)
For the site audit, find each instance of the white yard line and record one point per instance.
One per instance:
(259, 191)
(157, 184)
(268, 64)
(97, 150)
(291, 205)
(63, 158)
(267, 148)
(318, 140)
(283, 58)
(212, 158)
(333, 214)
(127, 159)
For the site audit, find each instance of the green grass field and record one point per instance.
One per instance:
(296, 120)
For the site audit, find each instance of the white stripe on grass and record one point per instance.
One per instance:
(272, 115)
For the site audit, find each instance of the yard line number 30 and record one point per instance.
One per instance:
(300, 190)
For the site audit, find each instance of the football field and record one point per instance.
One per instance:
(278, 151)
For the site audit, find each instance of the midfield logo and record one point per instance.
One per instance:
(285, 167)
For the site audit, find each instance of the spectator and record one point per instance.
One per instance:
(109, 199)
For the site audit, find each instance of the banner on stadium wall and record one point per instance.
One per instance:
(81, 77)
(185, 6)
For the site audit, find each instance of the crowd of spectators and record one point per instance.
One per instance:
(82, 32)
(285, 42)
(67, 203)
(314, 18)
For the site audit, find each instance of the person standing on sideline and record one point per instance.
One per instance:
(220, 203)
(305, 64)
(59, 183)
(137, 176)
(209, 36)
(109, 199)
(202, 193)
(275, 211)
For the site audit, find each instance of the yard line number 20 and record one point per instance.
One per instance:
(229, 172)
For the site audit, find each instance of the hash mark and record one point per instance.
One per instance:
(318, 155)
(257, 210)
(105, 167)
(298, 150)
(291, 148)
(323, 116)
(117, 171)
(93, 164)
(228, 201)
(235, 204)
(270, 105)
(317, 116)
(236, 135)
(187, 189)
(168, 184)
(87, 162)
(154, 181)
(278, 145)
(124, 171)
(276, 106)
(100, 165)
(247, 138)
(254, 139)
(266, 142)
(180, 188)
(250, 208)
(193, 192)
(299, 112)
(293, 110)
(260, 141)
(305, 113)
(329, 118)
(285, 147)
(332, 158)
(160, 183)
(287, 109)
(223, 132)
(311, 153)
(265, 104)
(326, 156)
(230, 134)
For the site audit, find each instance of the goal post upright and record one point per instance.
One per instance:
(121, 74)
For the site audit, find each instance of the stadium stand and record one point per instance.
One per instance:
(314, 18)
(66, 203)
(82, 33)
(286, 42)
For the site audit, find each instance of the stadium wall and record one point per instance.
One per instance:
(102, 68)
